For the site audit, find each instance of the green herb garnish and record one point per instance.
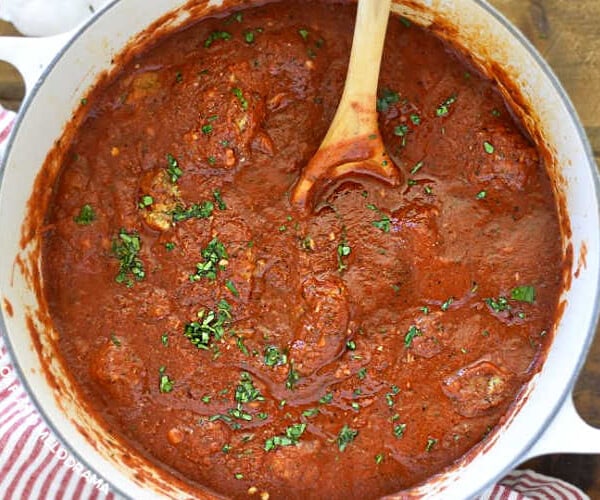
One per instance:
(387, 97)
(498, 305)
(524, 293)
(240, 97)
(195, 211)
(215, 259)
(210, 325)
(126, 247)
(86, 215)
(345, 437)
(413, 332)
(219, 200)
(292, 378)
(399, 430)
(444, 108)
(431, 442)
(274, 357)
(165, 384)
(291, 437)
(173, 168)
(245, 392)
(231, 287)
(216, 35)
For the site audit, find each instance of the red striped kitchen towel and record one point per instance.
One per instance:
(35, 466)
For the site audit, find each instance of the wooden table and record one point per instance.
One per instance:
(567, 34)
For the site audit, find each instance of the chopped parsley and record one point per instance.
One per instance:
(328, 398)
(145, 201)
(345, 437)
(238, 16)
(236, 91)
(303, 33)
(311, 412)
(417, 167)
(231, 287)
(165, 384)
(126, 247)
(210, 325)
(173, 168)
(387, 97)
(498, 305)
(444, 108)
(415, 119)
(524, 293)
(488, 147)
(239, 341)
(379, 458)
(401, 130)
(245, 392)
(292, 378)
(481, 195)
(219, 200)
(274, 357)
(195, 211)
(207, 129)
(399, 430)
(446, 304)
(115, 340)
(413, 332)
(215, 259)
(291, 437)
(164, 338)
(86, 215)
(362, 373)
(170, 246)
(431, 442)
(343, 250)
(384, 224)
(216, 35)
(389, 397)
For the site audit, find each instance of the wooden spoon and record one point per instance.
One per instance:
(353, 143)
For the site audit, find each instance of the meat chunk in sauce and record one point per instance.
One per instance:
(477, 388)
(507, 160)
(118, 369)
(323, 328)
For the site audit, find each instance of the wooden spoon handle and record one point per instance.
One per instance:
(367, 47)
(356, 114)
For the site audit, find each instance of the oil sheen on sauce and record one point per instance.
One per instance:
(351, 353)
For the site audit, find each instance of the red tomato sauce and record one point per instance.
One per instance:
(350, 353)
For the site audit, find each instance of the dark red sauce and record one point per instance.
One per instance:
(347, 354)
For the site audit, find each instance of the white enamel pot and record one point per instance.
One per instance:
(58, 72)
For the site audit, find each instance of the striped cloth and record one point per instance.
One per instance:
(35, 466)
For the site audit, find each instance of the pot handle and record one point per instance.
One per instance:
(31, 55)
(567, 433)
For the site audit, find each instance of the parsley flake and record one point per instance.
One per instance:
(126, 247)
(345, 437)
(86, 215)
